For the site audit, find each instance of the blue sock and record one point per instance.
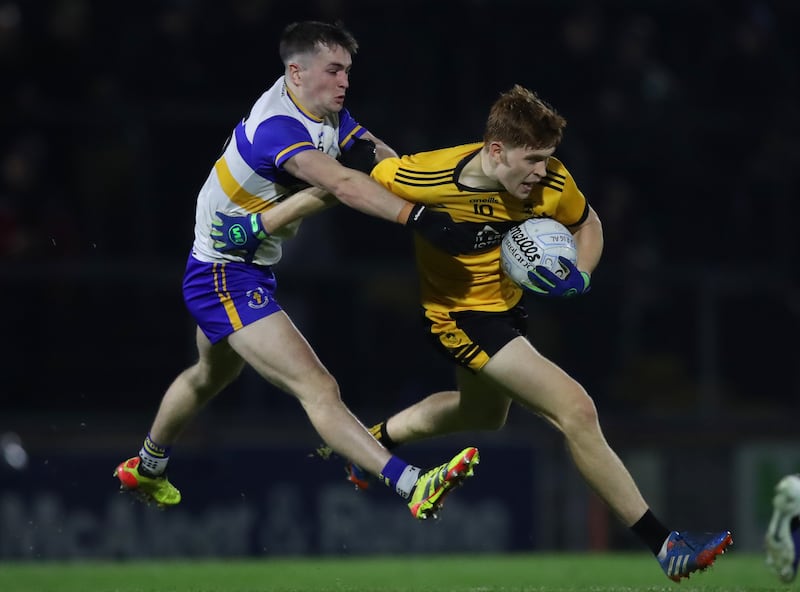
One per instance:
(400, 475)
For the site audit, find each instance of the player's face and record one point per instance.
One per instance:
(323, 79)
(519, 170)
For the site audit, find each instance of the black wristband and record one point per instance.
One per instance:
(439, 229)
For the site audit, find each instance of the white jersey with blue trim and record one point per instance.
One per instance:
(249, 176)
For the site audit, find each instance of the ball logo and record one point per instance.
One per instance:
(237, 235)
(527, 247)
(536, 242)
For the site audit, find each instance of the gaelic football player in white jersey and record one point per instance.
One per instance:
(289, 142)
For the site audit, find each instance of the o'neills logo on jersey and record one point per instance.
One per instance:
(484, 200)
(257, 298)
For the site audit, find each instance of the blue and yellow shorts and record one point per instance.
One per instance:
(224, 297)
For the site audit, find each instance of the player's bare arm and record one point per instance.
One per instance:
(243, 235)
(299, 205)
(314, 199)
(589, 241)
(353, 188)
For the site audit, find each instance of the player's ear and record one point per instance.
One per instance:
(495, 149)
(293, 70)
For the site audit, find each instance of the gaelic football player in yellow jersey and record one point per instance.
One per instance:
(476, 316)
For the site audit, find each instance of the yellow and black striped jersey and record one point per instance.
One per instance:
(474, 281)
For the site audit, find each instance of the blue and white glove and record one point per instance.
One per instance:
(238, 235)
(545, 283)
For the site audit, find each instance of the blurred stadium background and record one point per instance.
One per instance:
(683, 133)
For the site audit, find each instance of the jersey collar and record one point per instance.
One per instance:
(300, 107)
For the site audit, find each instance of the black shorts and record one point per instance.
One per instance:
(471, 337)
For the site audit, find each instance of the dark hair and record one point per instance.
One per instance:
(520, 118)
(304, 36)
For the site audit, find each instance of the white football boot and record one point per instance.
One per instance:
(781, 542)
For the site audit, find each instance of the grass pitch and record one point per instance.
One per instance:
(537, 572)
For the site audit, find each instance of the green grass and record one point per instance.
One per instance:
(481, 573)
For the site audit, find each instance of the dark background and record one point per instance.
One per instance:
(683, 126)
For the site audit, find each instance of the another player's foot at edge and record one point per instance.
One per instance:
(157, 490)
(685, 553)
(432, 487)
(781, 541)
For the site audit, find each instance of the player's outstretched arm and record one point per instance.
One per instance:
(304, 203)
(362, 156)
(243, 234)
(353, 188)
(358, 191)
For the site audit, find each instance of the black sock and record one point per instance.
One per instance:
(381, 435)
(651, 531)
